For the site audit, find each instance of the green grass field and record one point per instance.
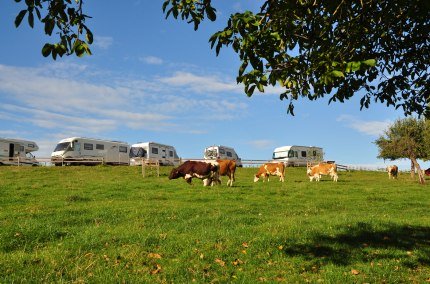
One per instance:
(109, 225)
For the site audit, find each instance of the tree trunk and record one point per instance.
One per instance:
(420, 172)
(412, 169)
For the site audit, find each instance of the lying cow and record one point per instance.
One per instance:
(315, 172)
(392, 171)
(268, 169)
(190, 169)
(227, 168)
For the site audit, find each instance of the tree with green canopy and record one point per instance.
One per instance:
(406, 139)
(312, 48)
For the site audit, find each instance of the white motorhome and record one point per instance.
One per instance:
(17, 152)
(165, 154)
(222, 152)
(298, 155)
(89, 151)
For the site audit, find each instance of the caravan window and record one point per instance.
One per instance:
(21, 148)
(211, 153)
(88, 146)
(154, 150)
(100, 146)
(30, 146)
(221, 151)
(170, 153)
(291, 154)
(229, 154)
(314, 153)
(280, 155)
(61, 146)
(137, 152)
(304, 154)
(123, 149)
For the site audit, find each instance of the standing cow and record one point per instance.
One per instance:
(268, 169)
(315, 172)
(190, 169)
(227, 168)
(392, 171)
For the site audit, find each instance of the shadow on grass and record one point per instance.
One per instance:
(363, 242)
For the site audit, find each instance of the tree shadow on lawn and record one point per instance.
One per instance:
(364, 242)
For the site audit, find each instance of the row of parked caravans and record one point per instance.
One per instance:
(81, 150)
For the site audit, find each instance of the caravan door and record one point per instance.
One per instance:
(164, 155)
(11, 150)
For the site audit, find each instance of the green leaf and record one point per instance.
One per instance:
(337, 74)
(31, 19)
(352, 66)
(210, 12)
(19, 18)
(165, 5)
(89, 36)
(49, 26)
(370, 62)
(38, 13)
(260, 87)
(46, 50)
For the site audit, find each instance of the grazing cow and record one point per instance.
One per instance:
(227, 168)
(315, 172)
(392, 170)
(268, 169)
(190, 169)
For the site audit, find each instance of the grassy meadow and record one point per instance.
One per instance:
(110, 225)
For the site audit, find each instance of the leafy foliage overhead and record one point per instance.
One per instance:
(312, 48)
(315, 48)
(63, 17)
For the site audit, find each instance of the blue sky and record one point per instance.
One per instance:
(152, 79)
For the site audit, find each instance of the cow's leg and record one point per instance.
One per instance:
(207, 182)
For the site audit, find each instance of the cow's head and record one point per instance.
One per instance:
(174, 174)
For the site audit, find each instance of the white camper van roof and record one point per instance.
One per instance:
(285, 148)
(69, 139)
(30, 145)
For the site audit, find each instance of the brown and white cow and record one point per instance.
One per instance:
(268, 169)
(315, 172)
(227, 168)
(392, 170)
(190, 169)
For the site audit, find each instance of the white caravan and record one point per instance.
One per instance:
(165, 154)
(298, 155)
(89, 151)
(17, 152)
(222, 152)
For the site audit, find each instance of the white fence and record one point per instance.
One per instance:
(252, 163)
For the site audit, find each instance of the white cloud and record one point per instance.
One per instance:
(97, 102)
(153, 60)
(103, 42)
(201, 84)
(373, 128)
(8, 133)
